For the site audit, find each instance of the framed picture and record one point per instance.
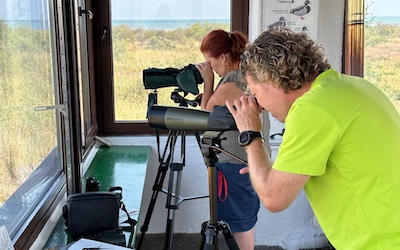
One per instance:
(297, 15)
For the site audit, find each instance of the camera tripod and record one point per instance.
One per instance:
(210, 144)
(173, 192)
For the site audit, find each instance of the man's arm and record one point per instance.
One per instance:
(276, 189)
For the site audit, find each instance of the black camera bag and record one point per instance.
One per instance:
(95, 215)
(90, 213)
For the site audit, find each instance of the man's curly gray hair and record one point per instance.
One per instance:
(286, 58)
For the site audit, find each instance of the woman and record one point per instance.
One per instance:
(238, 203)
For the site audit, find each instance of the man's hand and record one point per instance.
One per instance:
(244, 170)
(246, 112)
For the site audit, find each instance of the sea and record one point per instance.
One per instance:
(383, 20)
(166, 24)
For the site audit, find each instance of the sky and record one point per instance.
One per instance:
(383, 7)
(170, 9)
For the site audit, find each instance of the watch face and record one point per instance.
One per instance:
(244, 137)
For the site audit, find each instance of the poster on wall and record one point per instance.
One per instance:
(297, 15)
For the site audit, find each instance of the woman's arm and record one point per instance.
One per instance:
(227, 91)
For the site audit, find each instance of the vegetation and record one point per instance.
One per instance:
(138, 49)
(382, 59)
(26, 81)
(26, 136)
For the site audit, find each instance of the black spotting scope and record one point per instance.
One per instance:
(188, 119)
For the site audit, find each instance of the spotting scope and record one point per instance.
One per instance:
(189, 119)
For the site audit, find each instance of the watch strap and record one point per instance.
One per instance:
(247, 136)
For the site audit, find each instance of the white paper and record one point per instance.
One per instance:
(282, 13)
(85, 243)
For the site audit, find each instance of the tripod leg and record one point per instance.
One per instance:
(230, 240)
(172, 202)
(208, 239)
(157, 187)
(174, 191)
(200, 244)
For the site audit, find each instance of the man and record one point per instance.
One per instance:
(341, 141)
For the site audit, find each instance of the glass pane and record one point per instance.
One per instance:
(29, 159)
(159, 35)
(382, 47)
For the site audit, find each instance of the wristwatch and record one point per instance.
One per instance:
(246, 137)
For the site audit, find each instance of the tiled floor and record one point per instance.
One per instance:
(185, 242)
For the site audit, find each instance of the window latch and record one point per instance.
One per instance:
(60, 107)
(89, 12)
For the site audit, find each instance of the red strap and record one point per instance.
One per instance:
(222, 187)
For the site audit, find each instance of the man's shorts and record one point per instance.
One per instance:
(238, 203)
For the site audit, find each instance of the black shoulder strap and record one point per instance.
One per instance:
(132, 222)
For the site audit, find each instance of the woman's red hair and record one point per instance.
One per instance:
(219, 42)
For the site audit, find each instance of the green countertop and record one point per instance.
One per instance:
(123, 166)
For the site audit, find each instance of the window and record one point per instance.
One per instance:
(382, 47)
(371, 44)
(30, 155)
(161, 35)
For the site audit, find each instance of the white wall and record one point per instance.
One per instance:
(329, 34)
(294, 228)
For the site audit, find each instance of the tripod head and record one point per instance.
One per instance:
(210, 146)
(210, 141)
(178, 98)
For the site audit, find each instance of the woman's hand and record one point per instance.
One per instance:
(198, 98)
(208, 77)
(206, 72)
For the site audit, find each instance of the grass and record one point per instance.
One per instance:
(382, 62)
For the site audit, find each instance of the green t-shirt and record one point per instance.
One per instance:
(345, 134)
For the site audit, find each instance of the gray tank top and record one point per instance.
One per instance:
(229, 140)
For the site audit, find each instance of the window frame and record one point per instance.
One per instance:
(103, 56)
(353, 38)
(68, 180)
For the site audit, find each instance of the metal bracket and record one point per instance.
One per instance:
(60, 107)
(89, 12)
